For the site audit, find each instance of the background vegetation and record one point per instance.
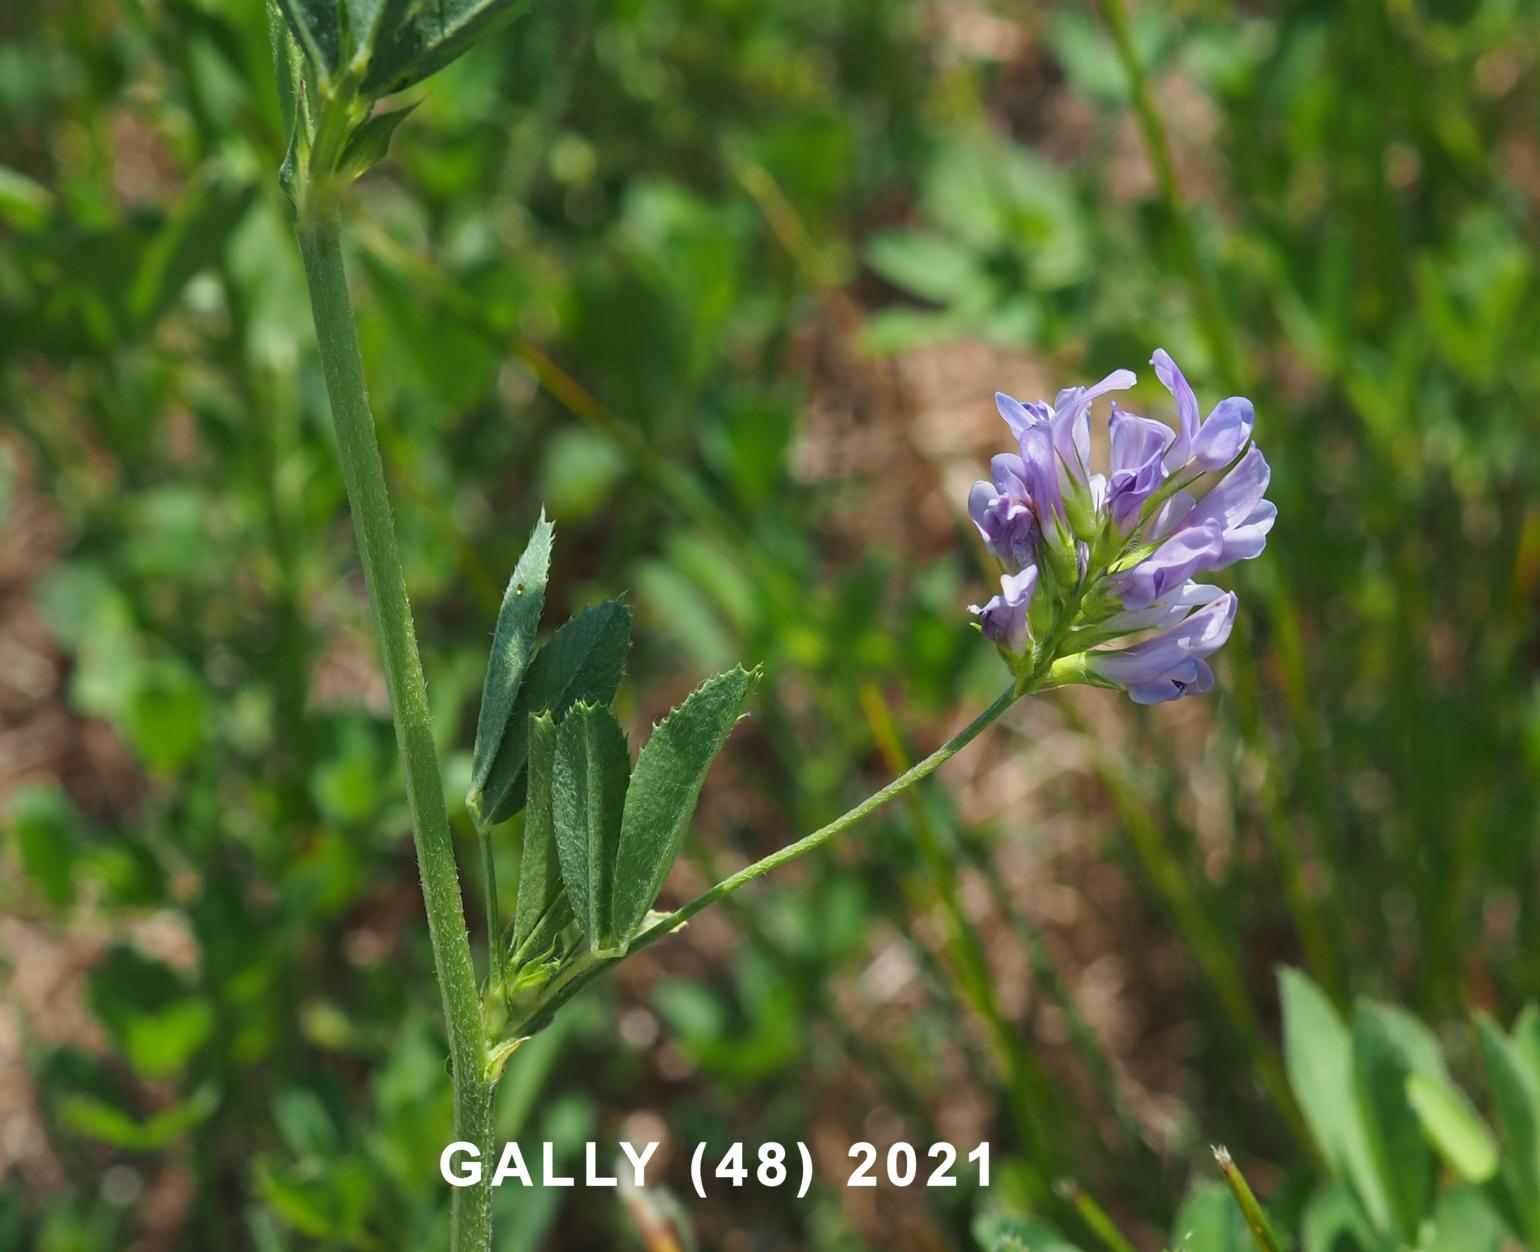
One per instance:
(727, 286)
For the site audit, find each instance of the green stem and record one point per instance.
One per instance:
(1256, 1219)
(843, 822)
(320, 243)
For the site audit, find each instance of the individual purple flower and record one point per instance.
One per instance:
(1055, 442)
(1004, 619)
(1235, 504)
(1137, 464)
(1173, 663)
(1208, 445)
(1003, 512)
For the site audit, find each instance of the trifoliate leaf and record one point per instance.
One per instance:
(583, 661)
(513, 645)
(665, 788)
(588, 795)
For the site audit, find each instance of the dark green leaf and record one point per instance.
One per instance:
(318, 32)
(513, 644)
(418, 37)
(588, 795)
(541, 909)
(583, 661)
(1389, 1046)
(669, 774)
(370, 144)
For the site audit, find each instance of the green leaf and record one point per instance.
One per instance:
(109, 1124)
(1517, 1099)
(1209, 1221)
(667, 783)
(46, 829)
(24, 202)
(318, 32)
(542, 908)
(1389, 1046)
(926, 263)
(1333, 1221)
(1006, 1232)
(370, 144)
(1453, 1126)
(583, 661)
(1464, 1221)
(419, 37)
(513, 644)
(1526, 1040)
(588, 795)
(1317, 1054)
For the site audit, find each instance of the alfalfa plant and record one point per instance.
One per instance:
(1091, 559)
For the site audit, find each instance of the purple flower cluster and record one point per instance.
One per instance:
(1093, 557)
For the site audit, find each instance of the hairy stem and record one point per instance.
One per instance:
(321, 245)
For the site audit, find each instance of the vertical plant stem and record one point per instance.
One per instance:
(321, 246)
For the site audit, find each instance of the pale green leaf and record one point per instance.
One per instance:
(106, 1123)
(1209, 1221)
(1317, 1054)
(1453, 1126)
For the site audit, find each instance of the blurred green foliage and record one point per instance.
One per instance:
(627, 260)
